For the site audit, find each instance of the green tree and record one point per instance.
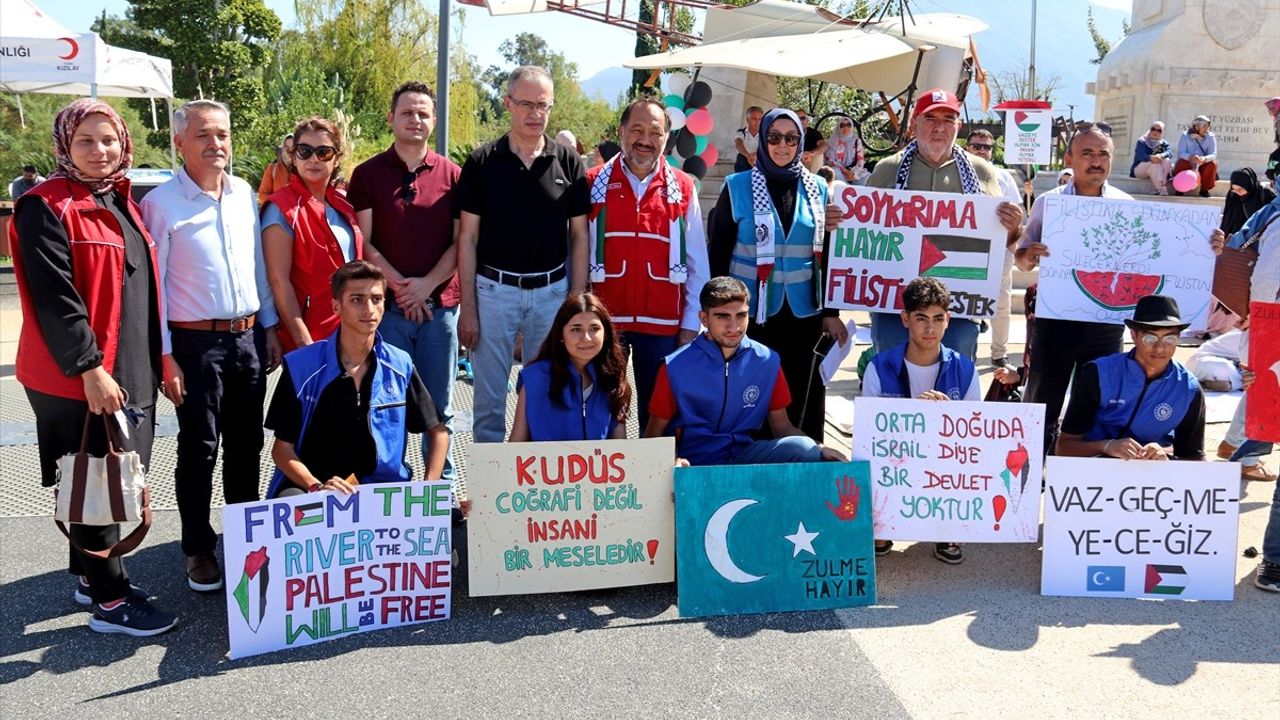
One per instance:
(1100, 43)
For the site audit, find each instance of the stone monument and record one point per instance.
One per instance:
(1183, 58)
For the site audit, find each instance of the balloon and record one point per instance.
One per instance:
(686, 143)
(700, 145)
(673, 161)
(696, 167)
(697, 96)
(699, 122)
(676, 84)
(673, 101)
(677, 117)
(1185, 181)
(710, 155)
(671, 144)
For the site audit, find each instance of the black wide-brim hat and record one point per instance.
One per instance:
(1157, 311)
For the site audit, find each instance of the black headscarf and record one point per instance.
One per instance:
(791, 172)
(1237, 209)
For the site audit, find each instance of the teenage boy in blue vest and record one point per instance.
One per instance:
(720, 389)
(344, 405)
(925, 369)
(1141, 404)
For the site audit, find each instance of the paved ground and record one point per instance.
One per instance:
(975, 640)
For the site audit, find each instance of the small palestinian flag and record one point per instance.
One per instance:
(955, 257)
(251, 593)
(308, 514)
(1165, 580)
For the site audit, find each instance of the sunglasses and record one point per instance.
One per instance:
(1150, 339)
(407, 190)
(778, 139)
(846, 124)
(324, 153)
(980, 146)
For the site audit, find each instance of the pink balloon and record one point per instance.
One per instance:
(699, 122)
(711, 154)
(1186, 181)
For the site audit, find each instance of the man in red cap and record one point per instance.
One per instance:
(932, 162)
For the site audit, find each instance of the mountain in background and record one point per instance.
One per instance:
(1063, 47)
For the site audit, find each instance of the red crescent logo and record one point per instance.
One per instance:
(75, 48)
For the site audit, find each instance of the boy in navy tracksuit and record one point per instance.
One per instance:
(718, 390)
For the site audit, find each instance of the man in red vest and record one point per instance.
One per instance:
(648, 246)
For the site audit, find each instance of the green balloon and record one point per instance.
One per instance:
(700, 145)
(674, 101)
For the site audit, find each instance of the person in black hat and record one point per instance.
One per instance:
(1141, 404)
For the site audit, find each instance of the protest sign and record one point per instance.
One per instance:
(1140, 528)
(1262, 419)
(952, 471)
(774, 538)
(309, 568)
(562, 516)
(887, 238)
(1106, 254)
(1027, 132)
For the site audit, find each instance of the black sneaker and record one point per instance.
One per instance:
(948, 553)
(1268, 577)
(137, 617)
(1000, 362)
(81, 595)
(883, 548)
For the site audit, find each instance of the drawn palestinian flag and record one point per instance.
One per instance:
(251, 593)
(1022, 120)
(955, 257)
(308, 514)
(1165, 580)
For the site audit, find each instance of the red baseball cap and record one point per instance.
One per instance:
(936, 98)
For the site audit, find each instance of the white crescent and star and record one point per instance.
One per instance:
(1100, 578)
(716, 542)
(802, 540)
(1275, 370)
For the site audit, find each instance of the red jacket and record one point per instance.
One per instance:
(97, 269)
(636, 257)
(316, 254)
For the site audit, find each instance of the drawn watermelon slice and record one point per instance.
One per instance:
(1117, 291)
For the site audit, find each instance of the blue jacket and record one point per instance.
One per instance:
(1142, 153)
(1131, 406)
(313, 367)
(719, 403)
(578, 419)
(954, 376)
(794, 273)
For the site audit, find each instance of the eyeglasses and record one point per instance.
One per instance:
(324, 153)
(979, 146)
(1159, 130)
(778, 139)
(527, 105)
(407, 190)
(1150, 339)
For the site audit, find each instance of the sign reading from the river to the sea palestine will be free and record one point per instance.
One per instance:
(564, 516)
(887, 238)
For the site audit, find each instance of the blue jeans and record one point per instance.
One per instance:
(647, 353)
(790, 449)
(888, 332)
(1248, 452)
(433, 345)
(503, 311)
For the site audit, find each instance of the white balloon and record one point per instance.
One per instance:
(677, 118)
(676, 84)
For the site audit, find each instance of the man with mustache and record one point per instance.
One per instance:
(648, 259)
(217, 326)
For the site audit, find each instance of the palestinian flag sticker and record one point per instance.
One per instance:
(251, 593)
(1165, 580)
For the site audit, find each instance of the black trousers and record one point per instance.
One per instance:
(793, 339)
(226, 386)
(59, 422)
(1058, 349)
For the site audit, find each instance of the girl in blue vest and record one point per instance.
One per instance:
(767, 231)
(577, 387)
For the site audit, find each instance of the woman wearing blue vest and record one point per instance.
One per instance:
(577, 388)
(767, 230)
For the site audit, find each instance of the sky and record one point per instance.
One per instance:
(592, 45)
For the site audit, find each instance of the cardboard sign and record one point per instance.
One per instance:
(562, 516)
(774, 538)
(890, 237)
(1107, 254)
(1027, 136)
(952, 471)
(1262, 419)
(313, 567)
(1140, 528)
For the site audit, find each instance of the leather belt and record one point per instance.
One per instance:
(524, 281)
(235, 325)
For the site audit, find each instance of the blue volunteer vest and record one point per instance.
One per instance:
(793, 272)
(1130, 406)
(954, 377)
(719, 403)
(576, 420)
(313, 367)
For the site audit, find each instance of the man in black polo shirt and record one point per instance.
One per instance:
(522, 242)
(815, 145)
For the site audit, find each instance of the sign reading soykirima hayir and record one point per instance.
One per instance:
(310, 568)
(887, 238)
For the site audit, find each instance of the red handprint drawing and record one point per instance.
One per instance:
(847, 490)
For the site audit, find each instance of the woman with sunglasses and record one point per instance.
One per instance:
(767, 231)
(845, 153)
(1152, 158)
(309, 230)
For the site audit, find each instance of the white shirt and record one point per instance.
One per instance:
(749, 141)
(1009, 189)
(1036, 220)
(695, 243)
(921, 378)
(209, 253)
